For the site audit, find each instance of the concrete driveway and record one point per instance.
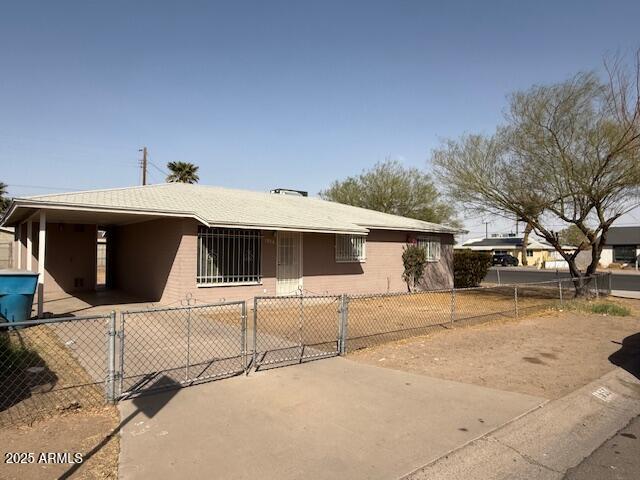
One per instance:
(333, 418)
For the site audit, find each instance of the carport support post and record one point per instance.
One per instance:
(111, 359)
(42, 241)
(29, 245)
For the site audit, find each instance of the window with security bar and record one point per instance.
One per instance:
(431, 247)
(351, 248)
(228, 256)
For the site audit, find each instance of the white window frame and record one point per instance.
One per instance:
(346, 245)
(529, 252)
(231, 246)
(432, 246)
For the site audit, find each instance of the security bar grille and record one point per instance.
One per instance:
(228, 256)
(350, 248)
(431, 247)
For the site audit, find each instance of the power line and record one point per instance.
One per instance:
(163, 172)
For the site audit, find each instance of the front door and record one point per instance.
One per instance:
(289, 258)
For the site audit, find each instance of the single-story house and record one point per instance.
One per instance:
(537, 252)
(622, 246)
(164, 242)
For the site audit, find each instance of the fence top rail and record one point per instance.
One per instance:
(291, 297)
(542, 282)
(43, 321)
(185, 307)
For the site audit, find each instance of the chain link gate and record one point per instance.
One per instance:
(163, 348)
(296, 328)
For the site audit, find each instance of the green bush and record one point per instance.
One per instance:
(470, 268)
(610, 309)
(414, 259)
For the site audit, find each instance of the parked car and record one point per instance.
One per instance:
(505, 260)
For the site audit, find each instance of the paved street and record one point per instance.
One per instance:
(619, 281)
(617, 458)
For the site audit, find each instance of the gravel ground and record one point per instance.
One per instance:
(81, 431)
(547, 355)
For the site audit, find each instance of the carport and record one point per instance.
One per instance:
(65, 238)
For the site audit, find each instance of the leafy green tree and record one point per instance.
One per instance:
(391, 188)
(182, 172)
(572, 236)
(4, 200)
(414, 259)
(567, 153)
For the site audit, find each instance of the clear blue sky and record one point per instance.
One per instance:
(265, 94)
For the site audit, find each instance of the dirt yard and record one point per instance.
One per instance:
(548, 354)
(76, 432)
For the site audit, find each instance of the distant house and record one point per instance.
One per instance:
(6, 247)
(164, 242)
(622, 246)
(537, 251)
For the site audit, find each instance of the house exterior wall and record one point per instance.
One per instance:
(70, 264)
(538, 257)
(606, 256)
(158, 260)
(6, 249)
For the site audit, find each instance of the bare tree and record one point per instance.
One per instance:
(568, 152)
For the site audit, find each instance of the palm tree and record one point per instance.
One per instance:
(183, 172)
(4, 201)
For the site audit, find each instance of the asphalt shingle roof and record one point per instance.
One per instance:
(230, 207)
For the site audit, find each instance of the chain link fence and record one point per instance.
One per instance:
(171, 347)
(53, 365)
(295, 328)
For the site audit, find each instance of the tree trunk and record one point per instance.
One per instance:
(525, 241)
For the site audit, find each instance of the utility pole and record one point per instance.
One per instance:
(144, 165)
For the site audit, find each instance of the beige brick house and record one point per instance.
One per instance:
(167, 241)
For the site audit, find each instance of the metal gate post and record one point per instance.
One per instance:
(255, 333)
(609, 275)
(243, 336)
(515, 292)
(111, 359)
(300, 327)
(186, 371)
(344, 319)
(121, 370)
(453, 305)
(560, 290)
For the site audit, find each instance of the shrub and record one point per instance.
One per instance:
(414, 259)
(470, 268)
(605, 308)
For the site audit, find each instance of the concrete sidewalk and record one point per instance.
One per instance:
(547, 442)
(329, 419)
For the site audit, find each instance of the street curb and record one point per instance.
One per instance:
(409, 475)
(546, 441)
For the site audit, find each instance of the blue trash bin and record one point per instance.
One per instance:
(17, 289)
